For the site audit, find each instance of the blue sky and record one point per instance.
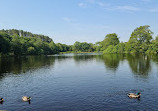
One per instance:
(67, 21)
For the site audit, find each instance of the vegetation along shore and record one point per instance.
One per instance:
(19, 42)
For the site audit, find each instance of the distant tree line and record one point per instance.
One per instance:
(19, 42)
(141, 41)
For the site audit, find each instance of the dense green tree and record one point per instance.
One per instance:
(21, 33)
(97, 46)
(76, 46)
(21, 42)
(31, 50)
(141, 35)
(5, 43)
(153, 48)
(16, 46)
(53, 47)
(109, 49)
(139, 40)
(156, 39)
(83, 47)
(63, 47)
(46, 48)
(121, 47)
(110, 39)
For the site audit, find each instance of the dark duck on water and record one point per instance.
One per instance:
(132, 95)
(1, 100)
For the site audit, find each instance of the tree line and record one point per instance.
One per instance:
(140, 41)
(19, 42)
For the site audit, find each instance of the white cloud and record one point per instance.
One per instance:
(127, 8)
(83, 5)
(153, 10)
(67, 19)
(91, 1)
(109, 6)
(146, 0)
(103, 4)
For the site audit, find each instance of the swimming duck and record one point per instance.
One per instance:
(132, 95)
(1, 100)
(25, 98)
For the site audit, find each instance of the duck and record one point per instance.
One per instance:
(25, 98)
(1, 100)
(132, 95)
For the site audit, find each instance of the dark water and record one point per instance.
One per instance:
(84, 82)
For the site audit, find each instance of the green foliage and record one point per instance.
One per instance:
(31, 50)
(156, 40)
(16, 46)
(109, 49)
(52, 46)
(21, 33)
(5, 44)
(139, 40)
(63, 47)
(83, 47)
(110, 39)
(25, 43)
(119, 48)
(97, 46)
(153, 48)
(141, 35)
(19, 42)
(76, 46)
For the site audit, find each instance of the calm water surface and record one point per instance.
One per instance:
(83, 82)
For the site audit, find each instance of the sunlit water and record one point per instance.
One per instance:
(83, 82)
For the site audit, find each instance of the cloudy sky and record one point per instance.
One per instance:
(67, 21)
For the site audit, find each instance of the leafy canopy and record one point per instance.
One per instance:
(141, 34)
(110, 39)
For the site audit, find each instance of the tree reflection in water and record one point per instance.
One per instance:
(140, 64)
(18, 65)
(111, 61)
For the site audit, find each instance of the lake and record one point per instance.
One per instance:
(79, 82)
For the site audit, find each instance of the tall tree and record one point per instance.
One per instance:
(139, 40)
(110, 39)
(141, 35)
